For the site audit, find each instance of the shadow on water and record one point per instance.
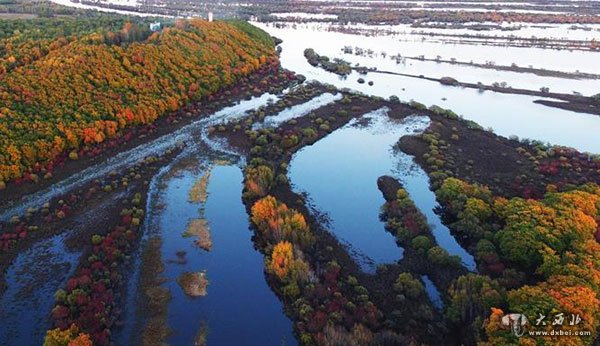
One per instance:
(433, 293)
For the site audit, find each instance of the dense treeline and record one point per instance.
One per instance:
(42, 8)
(540, 257)
(24, 41)
(73, 92)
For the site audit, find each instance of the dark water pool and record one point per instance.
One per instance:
(240, 308)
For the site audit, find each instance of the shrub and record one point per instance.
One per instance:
(417, 105)
(421, 243)
(309, 132)
(408, 286)
(282, 179)
(291, 290)
(259, 180)
(60, 296)
(262, 140)
(289, 141)
(256, 150)
(342, 113)
(67, 337)
(438, 256)
(96, 239)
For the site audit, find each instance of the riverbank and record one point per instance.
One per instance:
(268, 79)
(575, 103)
(276, 152)
(463, 150)
(77, 209)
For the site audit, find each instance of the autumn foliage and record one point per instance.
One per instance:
(287, 264)
(88, 300)
(281, 259)
(552, 240)
(258, 180)
(278, 222)
(67, 337)
(87, 90)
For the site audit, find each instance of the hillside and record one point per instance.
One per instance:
(64, 91)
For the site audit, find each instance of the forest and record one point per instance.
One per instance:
(79, 86)
(540, 254)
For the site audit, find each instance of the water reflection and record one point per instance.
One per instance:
(339, 174)
(239, 305)
(504, 113)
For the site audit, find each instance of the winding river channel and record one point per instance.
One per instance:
(338, 173)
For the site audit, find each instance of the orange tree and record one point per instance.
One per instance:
(88, 89)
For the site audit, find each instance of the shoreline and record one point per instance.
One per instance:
(42, 222)
(519, 69)
(574, 103)
(94, 208)
(13, 193)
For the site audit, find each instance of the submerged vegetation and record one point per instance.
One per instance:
(156, 297)
(198, 193)
(200, 229)
(193, 284)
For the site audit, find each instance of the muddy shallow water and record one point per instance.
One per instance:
(32, 280)
(188, 134)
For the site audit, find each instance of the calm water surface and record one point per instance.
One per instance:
(239, 307)
(339, 173)
(506, 114)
